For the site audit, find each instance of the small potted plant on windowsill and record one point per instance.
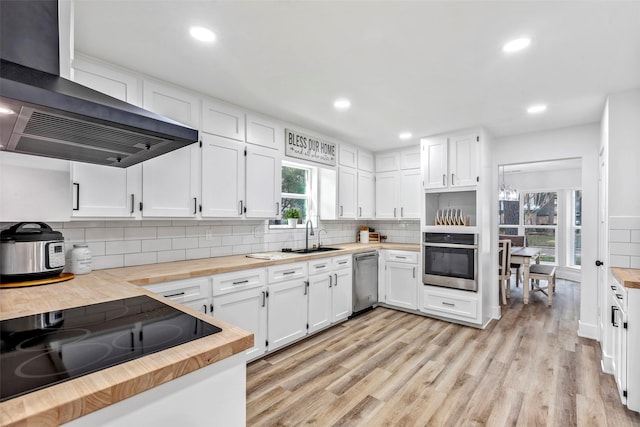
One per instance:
(292, 215)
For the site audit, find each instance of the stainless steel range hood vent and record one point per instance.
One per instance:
(55, 117)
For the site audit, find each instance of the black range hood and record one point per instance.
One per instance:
(44, 114)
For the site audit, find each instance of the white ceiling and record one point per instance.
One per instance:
(421, 66)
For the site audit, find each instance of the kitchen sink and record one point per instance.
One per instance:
(314, 250)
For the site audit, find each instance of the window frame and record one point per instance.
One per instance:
(309, 196)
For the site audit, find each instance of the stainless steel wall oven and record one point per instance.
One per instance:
(450, 260)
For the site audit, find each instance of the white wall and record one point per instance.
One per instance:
(572, 142)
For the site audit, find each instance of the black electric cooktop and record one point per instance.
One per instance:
(49, 348)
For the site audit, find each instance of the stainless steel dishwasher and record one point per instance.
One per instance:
(365, 280)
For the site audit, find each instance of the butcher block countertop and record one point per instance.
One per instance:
(628, 277)
(64, 402)
(158, 273)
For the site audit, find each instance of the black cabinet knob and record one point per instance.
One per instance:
(599, 263)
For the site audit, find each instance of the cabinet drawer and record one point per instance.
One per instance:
(182, 291)
(280, 273)
(238, 280)
(450, 305)
(319, 266)
(402, 256)
(343, 261)
(618, 292)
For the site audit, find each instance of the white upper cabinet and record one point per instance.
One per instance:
(171, 102)
(386, 193)
(105, 191)
(223, 164)
(347, 187)
(327, 193)
(263, 182)
(264, 131)
(450, 162)
(171, 184)
(386, 162)
(366, 195)
(410, 158)
(34, 188)
(348, 156)
(365, 161)
(410, 192)
(222, 119)
(106, 79)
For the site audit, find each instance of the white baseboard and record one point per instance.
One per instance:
(607, 364)
(586, 330)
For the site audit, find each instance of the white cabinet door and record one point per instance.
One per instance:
(401, 285)
(348, 156)
(387, 162)
(247, 310)
(366, 195)
(105, 191)
(171, 102)
(342, 294)
(463, 160)
(327, 193)
(222, 119)
(434, 158)
(34, 188)
(287, 302)
(105, 79)
(265, 132)
(410, 192)
(347, 181)
(320, 287)
(263, 174)
(365, 161)
(410, 158)
(386, 191)
(170, 184)
(223, 174)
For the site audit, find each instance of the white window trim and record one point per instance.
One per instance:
(310, 196)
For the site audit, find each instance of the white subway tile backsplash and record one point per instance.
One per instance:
(169, 256)
(621, 261)
(107, 261)
(122, 223)
(156, 245)
(222, 251)
(122, 247)
(185, 243)
(73, 234)
(82, 224)
(97, 248)
(231, 240)
(155, 223)
(619, 235)
(141, 258)
(624, 222)
(634, 262)
(171, 232)
(106, 234)
(198, 253)
(635, 236)
(140, 233)
(214, 241)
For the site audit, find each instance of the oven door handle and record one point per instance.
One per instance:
(450, 245)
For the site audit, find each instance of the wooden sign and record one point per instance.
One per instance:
(309, 148)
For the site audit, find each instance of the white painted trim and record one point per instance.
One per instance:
(586, 330)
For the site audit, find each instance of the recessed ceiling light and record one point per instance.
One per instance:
(202, 34)
(516, 45)
(536, 109)
(4, 110)
(342, 103)
(405, 135)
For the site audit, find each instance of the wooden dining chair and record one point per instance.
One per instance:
(515, 241)
(543, 272)
(504, 269)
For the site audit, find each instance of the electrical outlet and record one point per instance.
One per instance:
(208, 235)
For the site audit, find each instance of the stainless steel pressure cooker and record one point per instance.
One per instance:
(29, 251)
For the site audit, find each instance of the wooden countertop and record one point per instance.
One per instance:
(628, 277)
(166, 272)
(64, 402)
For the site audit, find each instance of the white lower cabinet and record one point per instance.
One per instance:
(401, 279)
(194, 293)
(451, 304)
(330, 291)
(240, 298)
(342, 288)
(287, 312)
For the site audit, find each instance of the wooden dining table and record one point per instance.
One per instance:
(524, 256)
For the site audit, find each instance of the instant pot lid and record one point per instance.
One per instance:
(30, 232)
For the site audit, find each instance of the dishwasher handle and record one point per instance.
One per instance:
(358, 257)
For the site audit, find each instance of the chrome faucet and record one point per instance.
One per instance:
(320, 230)
(307, 234)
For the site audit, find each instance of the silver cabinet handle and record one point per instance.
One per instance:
(321, 266)
(336, 281)
(452, 179)
(360, 214)
(77, 206)
(342, 262)
(132, 203)
(448, 304)
(277, 208)
(240, 207)
(444, 179)
(195, 205)
(241, 282)
(306, 287)
(288, 272)
(402, 212)
(341, 210)
(264, 298)
(414, 272)
(330, 280)
(400, 257)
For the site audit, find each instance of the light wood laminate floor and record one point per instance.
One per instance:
(388, 367)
